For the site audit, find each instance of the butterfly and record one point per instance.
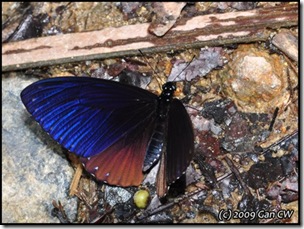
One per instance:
(119, 131)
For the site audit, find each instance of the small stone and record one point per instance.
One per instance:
(255, 80)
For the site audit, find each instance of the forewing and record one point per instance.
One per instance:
(88, 115)
(180, 141)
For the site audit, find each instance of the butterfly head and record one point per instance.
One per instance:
(168, 91)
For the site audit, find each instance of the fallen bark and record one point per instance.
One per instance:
(208, 30)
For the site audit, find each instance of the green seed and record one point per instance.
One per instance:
(141, 198)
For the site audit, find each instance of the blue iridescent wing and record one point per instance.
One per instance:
(107, 123)
(87, 115)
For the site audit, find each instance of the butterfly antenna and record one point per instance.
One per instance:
(154, 72)
(184, 68)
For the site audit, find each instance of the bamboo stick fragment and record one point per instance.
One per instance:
(207, 30)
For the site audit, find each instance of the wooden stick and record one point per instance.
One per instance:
(76, 178)
(199, 31)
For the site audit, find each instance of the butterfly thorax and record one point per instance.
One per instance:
(164, 100)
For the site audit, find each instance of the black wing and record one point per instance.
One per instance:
(180, 141)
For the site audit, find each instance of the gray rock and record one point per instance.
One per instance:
(34, 169)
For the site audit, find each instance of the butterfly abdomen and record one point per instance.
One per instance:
(155, 146)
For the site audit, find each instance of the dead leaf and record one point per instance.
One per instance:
(209, 59)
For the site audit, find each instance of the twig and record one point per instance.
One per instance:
(167, 206)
